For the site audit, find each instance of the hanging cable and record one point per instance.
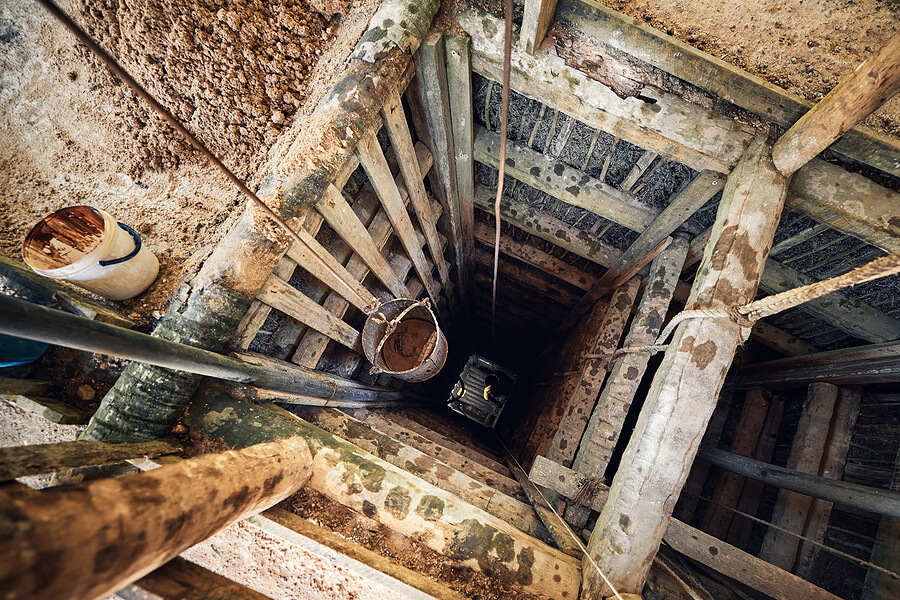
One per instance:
(120, 72)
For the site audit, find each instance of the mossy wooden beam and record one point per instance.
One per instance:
(726, 81)
(658, 121)
(686, 386)
(90, 540)
(394, 497)
(208, 311)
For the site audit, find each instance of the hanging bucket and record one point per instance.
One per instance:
(87, 247)
(403, 338)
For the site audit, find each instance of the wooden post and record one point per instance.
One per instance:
(93, 539)
(858, 95)
(535, 23)
(628, 370)
(886, 552)
(779, 547)
(684, 390)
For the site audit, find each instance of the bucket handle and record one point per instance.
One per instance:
(130, 255)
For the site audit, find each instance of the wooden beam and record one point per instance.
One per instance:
(885, 552)
(627, 371)
(373, 161)
(780, 340)
(535, 22)
(514, 273)
(566, 183)
(51, 409)
(539, 259)
(549, 228)
(725, 81)
(63, 547)
(567, 482)
(859, 94)
(394, 497)
(673, 128)
(20, 461)
(683, 394)
(743, 567)
(312, 346)
(879, 363)
(180, 579)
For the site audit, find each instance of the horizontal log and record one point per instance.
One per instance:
(566, 482)
(36, 459)
(860, 497)
(53, 410)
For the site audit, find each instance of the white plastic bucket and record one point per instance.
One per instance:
(87, 247)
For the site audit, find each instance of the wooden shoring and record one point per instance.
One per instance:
(91, 540)
(779, 546)
(885, 552)
(683, 394)
(535, 257)
(627, 371)
(372, 159)
(674, 128)
(515, 273)
(535, 22)
(180, 579)
(838, 445)
(567, 482)
(313, 345)
(401, 140)
(859, 94)
(563, 182)
(36, 459)
(579, 406)
(726, 81)
(434, 471)
(397, 499)
(746, 440)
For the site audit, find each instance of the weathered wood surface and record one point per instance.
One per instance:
(885, 552)
(349, 555)
(51, 409)
(566, 183)
(25, 386)
(535, 22)
(627, 371)
(743, 567)
(394, 497)
(859, 94)
(780, 340)
(863, 364)
(683, 394)
(372, 159)
(674, 128)
(515, 274)
(638, 170)
(549, 228)
(539, 259)
(180, 579)
(746, 439)
(566, 482)
(64, 547)
(312, 346)
(513, 511)
(838, 444)
(578, 408)
(20, 461)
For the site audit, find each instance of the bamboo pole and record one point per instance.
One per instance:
(862, 92)
(93, 539)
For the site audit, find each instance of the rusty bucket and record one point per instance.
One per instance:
(403, 339)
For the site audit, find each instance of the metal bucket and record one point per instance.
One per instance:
(403, 338)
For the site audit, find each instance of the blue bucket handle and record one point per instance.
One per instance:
(129, 256)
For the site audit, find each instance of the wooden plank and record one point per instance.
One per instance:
(372, 159)
(549, 228)
(53, 410)
(568, 482)
(722, 79)
(858, 95)
(639, 168)
(401, 140)
(535, 22)
(281, 296)
(343, 220)
(349, 555)
(674, 128)
(627, 371)
(21, 461)
(743, 567)
(683, 394)
(513, 273)
(539, 259)
(885, 552)
(566, 183)
(838, 444)
(580, 404)
(312, 346)
(435, 472)
(781, 340)
(25, 386)
(180, 579)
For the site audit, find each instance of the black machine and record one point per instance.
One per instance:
(481, 390)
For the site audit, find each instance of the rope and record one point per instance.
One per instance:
(590, 487)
